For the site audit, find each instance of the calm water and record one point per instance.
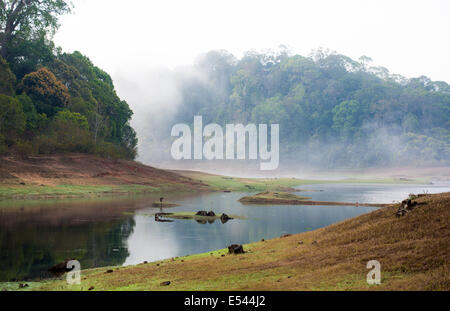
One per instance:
(36, 235)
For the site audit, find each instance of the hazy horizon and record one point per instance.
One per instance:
(145, 45)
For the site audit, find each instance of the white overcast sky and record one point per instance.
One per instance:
(407, 37)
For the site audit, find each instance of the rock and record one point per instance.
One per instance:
(401, 212)
(224, 218)
(202, 213)
(236, 249)
(159, 215)
(406, 206)
(409, 204)
(167, 283)
(61, 267)
(211, 214)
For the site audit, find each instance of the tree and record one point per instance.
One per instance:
(73, 117)
(7, 78)
(12, 118)
(129, 141)
(70, 131)
(48, 93)
(35, 122)
(347, 117)
(22, 19)
(27, 55)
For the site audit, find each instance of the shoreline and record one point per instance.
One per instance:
(74, 191)
(329, 258)
(56, 176)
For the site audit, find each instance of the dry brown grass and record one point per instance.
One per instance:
(413, 251)
(84, 169)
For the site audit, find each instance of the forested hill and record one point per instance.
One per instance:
(332, 110)
(53, 102)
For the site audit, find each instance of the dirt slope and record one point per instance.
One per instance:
(82, 169)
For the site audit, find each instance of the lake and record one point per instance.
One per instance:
(120, 231)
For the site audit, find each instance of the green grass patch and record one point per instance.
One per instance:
(24, 192)
(270, 197)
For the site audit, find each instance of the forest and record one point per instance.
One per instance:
(333, 111)
(55, 102)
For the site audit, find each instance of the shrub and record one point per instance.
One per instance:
(24, 148)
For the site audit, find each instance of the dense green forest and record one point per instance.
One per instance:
(51, 101)
(333, 111)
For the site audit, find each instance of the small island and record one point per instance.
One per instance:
(284, 198)
(270, 197)
(201, 216)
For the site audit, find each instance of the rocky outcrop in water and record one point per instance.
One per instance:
(225, 218)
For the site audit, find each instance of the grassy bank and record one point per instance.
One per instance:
(220, 183)
(208, 183)
(412, 250)
(66, 191)
(81, 175)
(83, 191)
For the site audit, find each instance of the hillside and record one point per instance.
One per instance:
(82, 174)
(413, 251)
(333, 111)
